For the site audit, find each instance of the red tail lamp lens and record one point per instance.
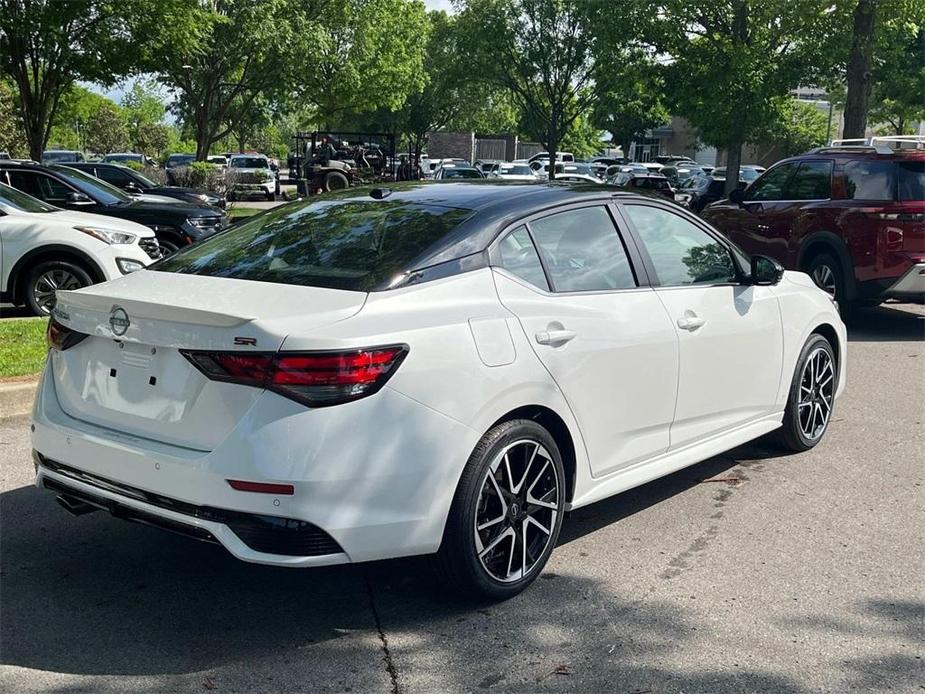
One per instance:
(317, 379)
(61, 337)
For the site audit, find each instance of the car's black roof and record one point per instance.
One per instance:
(495, 205)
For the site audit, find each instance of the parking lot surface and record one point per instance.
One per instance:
(748, 572)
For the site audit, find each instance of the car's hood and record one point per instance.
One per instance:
(154, 197)
(177, 206)
(101, 221)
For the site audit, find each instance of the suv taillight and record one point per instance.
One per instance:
(316, 379)
(59, 336)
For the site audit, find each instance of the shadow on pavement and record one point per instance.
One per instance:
(98, 597)
(887, 323)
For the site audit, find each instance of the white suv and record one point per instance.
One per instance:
(43, 249)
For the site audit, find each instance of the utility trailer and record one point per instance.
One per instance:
(360, 158)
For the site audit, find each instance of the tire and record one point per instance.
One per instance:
(169, 246)
(271, 197)
(797, 435)
(829, 276)
(63, 274)
(335, 180)
(479, 562)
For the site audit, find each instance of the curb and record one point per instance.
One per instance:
(16, 398)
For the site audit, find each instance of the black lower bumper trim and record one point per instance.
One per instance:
(268, 534)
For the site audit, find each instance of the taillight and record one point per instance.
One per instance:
(317, 379)
(59, 336)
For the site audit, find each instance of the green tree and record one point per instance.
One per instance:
(244, 52)
(798, 126)
(47, 45)
(898, 98)
(630, 103)
(729, 64)
(542, 52)
(150, 138)
(365, 54)
(106, 130)
(12, 135)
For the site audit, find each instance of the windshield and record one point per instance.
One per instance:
(461, 173)
(60, 156)
(101, 192)
(518, 170)
(180, 160)
(249, 163)
(353, 244)
(122, 157)
(22, 202)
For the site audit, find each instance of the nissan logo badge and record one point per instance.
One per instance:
(118, 320)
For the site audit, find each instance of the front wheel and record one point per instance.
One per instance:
(506, 514)
(48, 277)
(811, 397)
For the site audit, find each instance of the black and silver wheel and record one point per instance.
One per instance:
(812, 396)
(506, 514)
(47, 278)
(827, 273)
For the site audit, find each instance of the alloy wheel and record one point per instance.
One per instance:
(517, 511)
(824, 277)
(46, 284)
(817, 390)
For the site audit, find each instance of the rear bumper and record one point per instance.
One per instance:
(376, 477)
(910, 286)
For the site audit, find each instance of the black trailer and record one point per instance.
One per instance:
(360, 158)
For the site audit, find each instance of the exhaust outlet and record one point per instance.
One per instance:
(75, 506)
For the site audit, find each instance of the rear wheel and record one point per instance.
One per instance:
(828, 275)
(48, 277)
(506, 513)
(335, 180)
(811, 397)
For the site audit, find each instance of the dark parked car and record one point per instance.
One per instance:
(853, 218)
(175, 224)
(679, 172)
(133, 182)
(643, 181)
(122, 157)
(177, 161)
(59, 156)
(697, 193)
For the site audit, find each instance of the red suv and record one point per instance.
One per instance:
(852, 217)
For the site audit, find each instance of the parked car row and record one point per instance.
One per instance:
(65, 226)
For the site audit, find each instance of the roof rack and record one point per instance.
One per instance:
(882, 144)
(902, 141)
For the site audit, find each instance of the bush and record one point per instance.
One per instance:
(134, 165)
(199, 174)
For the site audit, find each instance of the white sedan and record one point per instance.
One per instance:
(439, 369)
(44, 249)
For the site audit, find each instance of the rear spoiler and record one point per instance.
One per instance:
(83, 301)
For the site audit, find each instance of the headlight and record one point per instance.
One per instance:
(201, 222)
(109, 236)
(127, 265)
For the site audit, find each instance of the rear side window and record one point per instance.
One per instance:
(911, 183)
(812, 181)
(870, 180)
(519, 257)
(582, 251)
(357, 245)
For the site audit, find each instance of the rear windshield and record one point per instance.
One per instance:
(357, 245)
(180, 160)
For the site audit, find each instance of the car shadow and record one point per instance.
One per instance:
(887, 323)
(97, 597)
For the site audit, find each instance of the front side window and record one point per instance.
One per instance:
(93, 187)
(812, 181)
(352, 244)
(681, 252)
(870, 180)
(519, 257)
(582, 251)
(771, 185)
(118, 178)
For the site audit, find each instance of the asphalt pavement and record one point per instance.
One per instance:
(748, 572)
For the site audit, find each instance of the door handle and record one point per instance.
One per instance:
(555, 337)
(690, 321)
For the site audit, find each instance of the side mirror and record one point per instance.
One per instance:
(737, 196)
(132, 187)
(766, 271)
(75, 198)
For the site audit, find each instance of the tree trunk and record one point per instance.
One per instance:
(552, 145)
(859, 63)
(733, 160)
(626, 146)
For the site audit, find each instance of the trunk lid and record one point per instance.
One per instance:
(130, 375)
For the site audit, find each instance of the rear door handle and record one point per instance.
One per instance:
(690, 321)
(555, 337)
